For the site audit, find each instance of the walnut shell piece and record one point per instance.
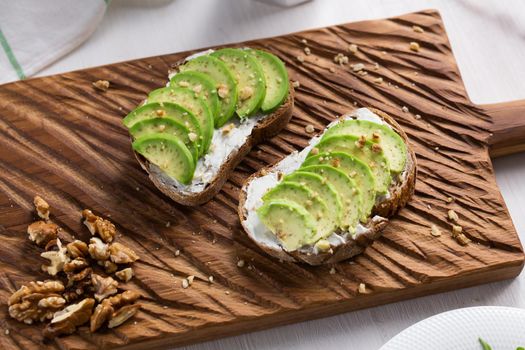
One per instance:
(99, 226)
(104, 287)
(57, 259)
(123, 314)
(42, 232)
(98, 250)
(77, 249)
(120, 254)
(42, 207)
(101, 315)
(67, 320)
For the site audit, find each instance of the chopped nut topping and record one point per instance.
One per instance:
(296, 84)
(56, 258)
(300, 58)
(101, 315)
(323, 245)
(101, 85)
(160, 112)
(42, 232)
(122, 315)
(98, 250)
(240, 263)
(125, 275)
(184, 83)
(361, 142)
(197, 89)
(67, 320)
(414, 46)
(192, 136)
(97, 225)
(378, 80)
(376, 148)
(341, 59)
(307, 51)
(42, 208)
(357, 67)
(452, 215)
(362, 288)
(417, 29)
(104, 287)
(222, 91)
(245, 93)
(228, 128)
(353, 48)
(376, 136)
(435, 231)
(309, 128)
(120, 254)
(77, 249)
(314, 151)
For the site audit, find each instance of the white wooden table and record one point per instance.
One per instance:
(488, 38)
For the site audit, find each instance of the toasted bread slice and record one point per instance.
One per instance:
(399, 193)
(266, 127)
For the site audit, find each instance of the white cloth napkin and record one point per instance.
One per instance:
(35, 33)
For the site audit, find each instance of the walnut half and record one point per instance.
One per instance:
(67, 320)
(42, 207)
(104, 287)
(42, 232)
(36, 301)
(120, 254)
(57, 259)
(99, 226)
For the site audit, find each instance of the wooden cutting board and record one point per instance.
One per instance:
(64, 140)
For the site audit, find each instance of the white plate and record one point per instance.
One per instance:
(503, 328)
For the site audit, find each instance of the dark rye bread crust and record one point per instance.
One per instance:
(400, 195)
(266, 128)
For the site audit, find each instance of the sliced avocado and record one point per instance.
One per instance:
(201, 84)
(392, 144)
(363, 151)
(249, 76)
(291, 223)
(356, 170)
(326, 221)
(276, 77)
(321, 188)
(165, 126)
(193, 103)
(224, 83)
(347, 190)
(169, 154)
(164, 110)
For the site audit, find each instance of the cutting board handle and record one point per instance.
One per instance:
(508, 130)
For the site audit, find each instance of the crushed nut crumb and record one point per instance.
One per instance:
(296, 83)
(362, 288)
(353, 48)
(417, 29)
(300, 58)
(240, 263)
(210, 279)
(307, 51)
(452, 215)
(42, 207)
(435, 231)
(404, 109)
(357, 67)
(332, 271)
(378, 80)
(341, 59)
(192, 136)
(414, 46)
(309, 128)
(185, 283)
(417, 116)
(102, 85)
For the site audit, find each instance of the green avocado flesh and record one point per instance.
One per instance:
(193, 103)
(393, 146)
(347, 190)
(292, 224)
(276, 77)
(374, 159)
(201, 84)
(165, 126)
(224, 83)
(326, 222)
(249, 76)
(356, 170)
(169, 154)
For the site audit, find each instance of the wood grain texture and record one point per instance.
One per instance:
(63, 140)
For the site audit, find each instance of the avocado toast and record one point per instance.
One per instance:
(360, 167)
(191, 134)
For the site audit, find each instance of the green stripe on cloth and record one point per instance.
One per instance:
(10, 55)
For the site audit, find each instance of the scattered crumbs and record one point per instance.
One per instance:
(452, 216)
(357, 67)
(214, 221)
(168, 224)
(355, 103)
(417, 29)
(435, 231)
(378, 80)
(135, 322)
(164, 307)
(404, 109)
(362, 288)
(264, 172)
(332, 271)
(101, 85)
(190, 279)
(300, 58)
(417, 116)
(362, 73)
(456, 230)
(309, 128)
(185, 283)
(449, 199)
(429, 207)
(240, 263)
(414, 46)
(383, 52)
(304, 41)
(413, 84)
(177, 252)
(120, 108)
(227, 292)
(376, 66)
(307, 51)
(6, 332)
(296, 84)
(341, 59)
(353, 48)
(396, 87)
(436, 148)
(193, 241)
(250, 267)
(416, 73)
(331, 69)
(210, 279)
(245, 303)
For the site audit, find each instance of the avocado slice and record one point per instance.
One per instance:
(164, 110)
(392, 144)
(248, 74)
(276, 77)
(356, 170)
(201, 84)
(291, 223)
(363, 151)
(326, 222)
(321, 188)
(224, 84)
(347, 190)
(165, 126)
(169, 154)
(193, 103)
